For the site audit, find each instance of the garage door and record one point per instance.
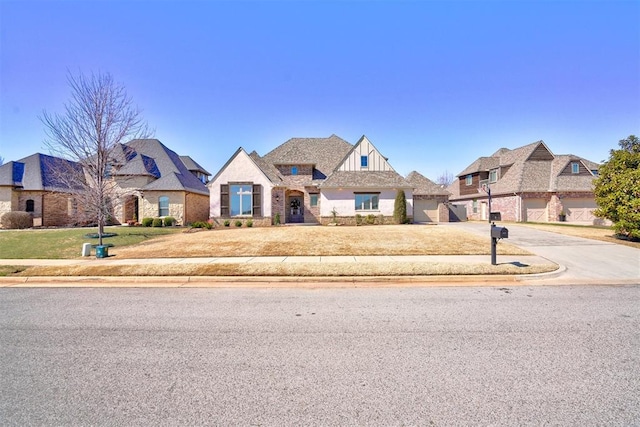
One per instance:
(535, 210)
(425, 210)
(579, 210)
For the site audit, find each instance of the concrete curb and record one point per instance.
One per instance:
(250, 281)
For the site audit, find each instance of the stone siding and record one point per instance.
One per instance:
(257, 222)
(351, 220)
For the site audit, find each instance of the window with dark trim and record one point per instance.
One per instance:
(367, 201)
(241, 199)
(31, 205)
(163, 206)
(364, 161)
(294, 170)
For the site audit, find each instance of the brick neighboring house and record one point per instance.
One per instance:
(430, 200)
(150, 180)
(529, 183)
(306, 180)
(32, 185)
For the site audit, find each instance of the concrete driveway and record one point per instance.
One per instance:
(583, 259)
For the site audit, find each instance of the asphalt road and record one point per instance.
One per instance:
(502, 356)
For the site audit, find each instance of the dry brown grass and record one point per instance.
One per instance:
(317, 241)
(603, 234)
(295, 270)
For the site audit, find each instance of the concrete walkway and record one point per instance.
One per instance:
(446, 259)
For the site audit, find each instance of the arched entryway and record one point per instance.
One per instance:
(295, 207)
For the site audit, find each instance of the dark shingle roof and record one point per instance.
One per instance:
(40, 172)
(151, 157)
(365, 179)
(325, 153)
(11, 173)
(192, 165)
(269, 170)
(423, 186)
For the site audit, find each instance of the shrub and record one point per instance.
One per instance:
(400, 208)
(226, 222)
(169, 221)
(238, 223)
(202, 224)
(17, 220)
(370, 219)
(249, 223)
(381, 219)
(147, 222)
(358, 219)
(157, 222)
(277, 219)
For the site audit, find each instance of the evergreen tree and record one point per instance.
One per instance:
(617, 188)
(400, 208)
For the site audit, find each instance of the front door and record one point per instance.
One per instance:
(296, 209)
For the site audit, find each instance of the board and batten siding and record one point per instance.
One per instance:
(240, 169)
(376, 161)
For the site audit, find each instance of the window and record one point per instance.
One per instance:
(313, 199)
(475, 206)
(163, 206)
(469, 180)
(364, 161)
(367, 202)
(575, 168)
(294, 170)
(241, 199)
(241, 196)
(493, 175)
(30, 205)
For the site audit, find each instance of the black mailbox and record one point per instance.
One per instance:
(499, 232)
(495, 216)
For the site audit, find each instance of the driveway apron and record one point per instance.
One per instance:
(584, 259)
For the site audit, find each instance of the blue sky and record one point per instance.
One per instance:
(432, 84)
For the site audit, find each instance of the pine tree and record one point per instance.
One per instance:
(400, 208)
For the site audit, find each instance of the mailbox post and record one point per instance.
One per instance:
(497, 233)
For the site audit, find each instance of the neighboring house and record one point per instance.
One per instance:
(308, 180)
(529, 183)
(430, 200)
(33, 184)
(149, 180)
(153, 181)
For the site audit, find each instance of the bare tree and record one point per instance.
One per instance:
(98, 118)
(445, 178)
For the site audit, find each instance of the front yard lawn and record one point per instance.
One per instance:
(317, 241)
(67, 243)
